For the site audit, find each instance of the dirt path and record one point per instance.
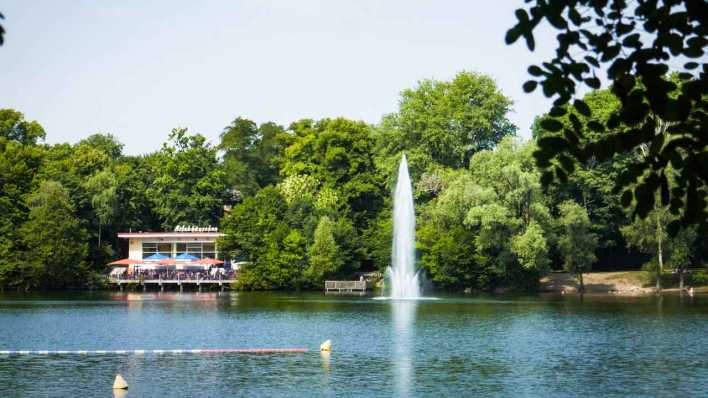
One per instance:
(624, 282)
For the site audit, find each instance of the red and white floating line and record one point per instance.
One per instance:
(143, 352)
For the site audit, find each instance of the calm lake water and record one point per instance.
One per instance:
(455, 346)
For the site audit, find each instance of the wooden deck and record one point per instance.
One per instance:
(345, 287)
(180, 283)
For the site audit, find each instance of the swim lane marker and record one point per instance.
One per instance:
(162, 352)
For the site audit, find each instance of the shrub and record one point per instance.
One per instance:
(699, 278)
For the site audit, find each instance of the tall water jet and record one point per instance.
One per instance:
(402, 275)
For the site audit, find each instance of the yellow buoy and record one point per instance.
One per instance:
(326, 346)
(120, 383)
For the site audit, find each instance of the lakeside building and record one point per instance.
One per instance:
(192, 241)
(185, 248)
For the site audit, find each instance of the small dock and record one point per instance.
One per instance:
(179, 283)
(345, 287)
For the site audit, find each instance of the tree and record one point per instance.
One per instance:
(189, 184)
(680, 249)
(576, 242)
(253, 154)
(636, 43)
(20, 159)
(446, 256)
(257, 233)
(54, 239)
(590, 184)
(325, 260)
(107, 143)
(446, 122)
(103, 187)
(531, 248)
(649, 235)
(339, 155)
(14, 127)
(490, 224)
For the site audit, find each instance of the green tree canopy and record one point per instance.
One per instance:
(189, 184)
(14, 127)
(55, 241)
(638, 44)
(20, 160)
(497, 215)
(102, 188)
(576, 242)
(253, 154)
(590, 183)
(257, 233)
(446, 122)
(339, 154)
(107, 143)
(325, 260)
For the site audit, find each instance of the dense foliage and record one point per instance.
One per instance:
(311, 202)
(637, 44)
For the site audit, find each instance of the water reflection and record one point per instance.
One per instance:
(325, 360)
(120, 393)
(403, 314)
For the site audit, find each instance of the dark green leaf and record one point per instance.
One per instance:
(582, 108)
(593, 82)
(557, 111)
(551, 125)
(596, 126)
(626, 198)
(530, 85)
(535, 70)
(512, 35)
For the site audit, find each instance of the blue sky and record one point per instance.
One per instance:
(138, 69)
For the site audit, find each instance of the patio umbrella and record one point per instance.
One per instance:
(209, 261)
(125, 261)
(186, 256)
(167, 261)
(156, 256)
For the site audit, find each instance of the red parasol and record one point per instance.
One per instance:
(209, 261)
(126, 261)
(167, 261)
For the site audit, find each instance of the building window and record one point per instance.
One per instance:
(150, 248)
(209, 250)
(195, 249)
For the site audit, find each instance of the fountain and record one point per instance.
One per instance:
(402, 275)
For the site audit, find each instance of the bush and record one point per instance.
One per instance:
(668, 279)
(698, 278)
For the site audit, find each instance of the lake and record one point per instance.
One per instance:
(506, 346)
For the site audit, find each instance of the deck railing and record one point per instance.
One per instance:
(345, 286)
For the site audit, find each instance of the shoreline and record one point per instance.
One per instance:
(616, 283)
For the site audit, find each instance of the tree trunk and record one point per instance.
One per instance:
(99, 236)
(681, 279)
(582, 284)
(659, 253)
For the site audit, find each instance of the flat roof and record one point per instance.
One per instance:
(170, 234)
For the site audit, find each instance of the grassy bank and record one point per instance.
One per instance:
(623, 282)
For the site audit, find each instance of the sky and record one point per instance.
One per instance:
(138, 69)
